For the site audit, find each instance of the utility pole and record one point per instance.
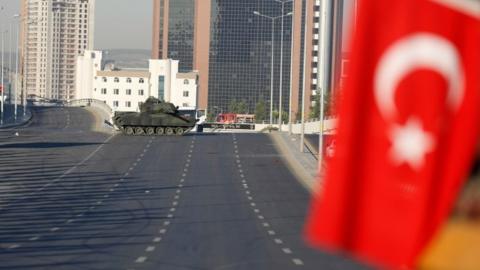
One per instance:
(302, 136)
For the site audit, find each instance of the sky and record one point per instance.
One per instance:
(119, 24)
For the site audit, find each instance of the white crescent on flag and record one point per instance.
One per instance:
(417, 51)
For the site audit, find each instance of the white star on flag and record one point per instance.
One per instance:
(411, 143)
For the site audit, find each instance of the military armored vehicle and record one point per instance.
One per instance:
(155, 118)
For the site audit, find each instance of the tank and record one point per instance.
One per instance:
(155, 118)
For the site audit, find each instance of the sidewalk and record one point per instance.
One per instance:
(303, 165)
(9, 117)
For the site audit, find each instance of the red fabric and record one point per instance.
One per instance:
(380, 207)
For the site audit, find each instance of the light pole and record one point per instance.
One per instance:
(16, 16)
(273, 41)
(2, 75)
(290, 117)
(280, 105)
(302, 136)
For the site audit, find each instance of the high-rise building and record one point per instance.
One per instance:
(54, 33)
(230, 47)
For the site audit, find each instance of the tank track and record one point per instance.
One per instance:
(154, 131)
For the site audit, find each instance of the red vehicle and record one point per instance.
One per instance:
(233, 118)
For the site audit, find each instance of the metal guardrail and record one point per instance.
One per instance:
(229, 126)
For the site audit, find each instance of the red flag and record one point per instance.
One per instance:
(407, 130)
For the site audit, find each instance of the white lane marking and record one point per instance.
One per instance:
(166, 223)
(14, 246)
(112, 189)
(116, 185)
(189, 155)
(172, 209)
(141, 155)
(287, 250)
(250, 198)
(70, 221)
(170, 216)
(92, 207)
(80, 215)
(35, 238)
(183, 175)
(135, 164)
(253, 204)
(175, 203)
(297, 261)
(147, 191)
(242, 176)
(256, 211)
(278, 241)
(266, 225)
(126, 174)
(157, 239)
(261, 217)
(239, 165)
(185, 170)
(144, 150)
(139, 159)
(54, 229)
(271, 232)
(150, 249)
(238, 161)
(65, 173)
(247, 192)
(241, 171)
(176, 197)
(141, 259)
(99, 202)
(179, 191)
(163, 231)
(130, 169)
(106, 196)
(182, 180)
(180, 186)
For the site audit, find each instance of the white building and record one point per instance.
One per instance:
(54, 33)
(123, 90)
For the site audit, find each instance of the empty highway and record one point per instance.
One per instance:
(73, 198)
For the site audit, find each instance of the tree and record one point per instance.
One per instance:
(260, 110)
(239, 107)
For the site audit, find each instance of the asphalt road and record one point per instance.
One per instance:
(71, 198)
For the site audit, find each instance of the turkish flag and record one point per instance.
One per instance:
(407, 131)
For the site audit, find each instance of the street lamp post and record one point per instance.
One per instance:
(280, 105)
(273, 41)
(25, 57)
(16, 16)
(2, 76)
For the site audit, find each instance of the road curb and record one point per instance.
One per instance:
(305, 178)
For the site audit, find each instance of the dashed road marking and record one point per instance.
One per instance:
(256, 210)
(106, 196)
(266, 225)
(80, 215)
(261, 217)
(54, 229)
(178, 191)
(297, 261)
(170, 216)
(287, 250)
(157, 239)
(141, 259)
(175, 203)
(166, 223)
(35, 238)
(278, 241)
(162, 231)
(70, 221)
(172, 209)
(14, 246)
(271, 232)
(150, 249)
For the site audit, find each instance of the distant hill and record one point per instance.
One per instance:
(128, 58)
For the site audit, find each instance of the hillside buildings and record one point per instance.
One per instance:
(124, 89)
(53, 34)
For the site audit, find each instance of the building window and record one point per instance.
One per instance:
(104, 91)
(104, 79)
(186, 81)
(116, 91)
(140, 92)
(115, 104)
(128, 104)
(129, 80)
(129, 91)
(185, 93)
(141, 80)
(116, 80)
